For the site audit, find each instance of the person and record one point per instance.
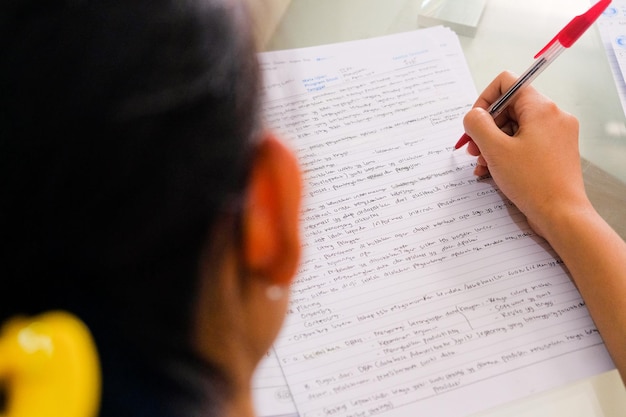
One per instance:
(533, 156)
(141, 193)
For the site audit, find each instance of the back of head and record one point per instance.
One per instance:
(125, 128)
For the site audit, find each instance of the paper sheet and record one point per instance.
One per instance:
(422, 289)
(270, 391)
(612, 27)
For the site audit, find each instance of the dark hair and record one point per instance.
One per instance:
(125, 126)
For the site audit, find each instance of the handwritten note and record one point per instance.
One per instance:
(422, 288)
(271, 394)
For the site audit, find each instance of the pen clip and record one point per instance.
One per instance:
(576, 27)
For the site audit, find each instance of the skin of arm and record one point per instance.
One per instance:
(531, 151)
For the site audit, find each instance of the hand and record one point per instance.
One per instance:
(530, 150)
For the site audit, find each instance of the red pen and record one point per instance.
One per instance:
(563, 40)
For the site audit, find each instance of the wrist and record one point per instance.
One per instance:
(561, 223)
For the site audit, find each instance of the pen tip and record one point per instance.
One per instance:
(462, 141)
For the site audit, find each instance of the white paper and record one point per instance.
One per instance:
(422, 289)
(612, 27)
(270, 391)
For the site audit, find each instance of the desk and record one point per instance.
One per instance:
(580, 81)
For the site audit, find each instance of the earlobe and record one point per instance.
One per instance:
(271, 214)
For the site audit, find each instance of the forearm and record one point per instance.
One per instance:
(596, 258)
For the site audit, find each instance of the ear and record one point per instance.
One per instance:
(271, 218)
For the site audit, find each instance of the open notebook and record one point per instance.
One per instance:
(422, 290)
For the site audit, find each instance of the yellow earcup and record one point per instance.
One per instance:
(49, 367)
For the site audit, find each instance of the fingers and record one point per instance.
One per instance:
(507, 121)
(472, 148)
(488, 134)
(481, 127)
(479, 123)
(531, 150)
(481, 167)
(495, 89)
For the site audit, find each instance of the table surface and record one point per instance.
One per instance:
(580, 81)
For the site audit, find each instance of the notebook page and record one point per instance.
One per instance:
(421, 287)
(270, 392)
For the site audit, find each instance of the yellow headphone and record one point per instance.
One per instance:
(49, 367)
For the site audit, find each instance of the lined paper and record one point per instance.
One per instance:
(271, 394)
(421, 288)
